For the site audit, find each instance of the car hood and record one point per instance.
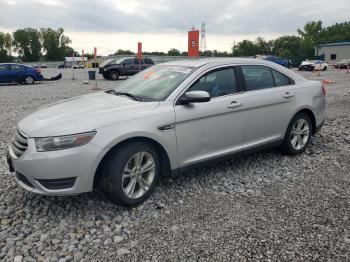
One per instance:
(82, 114)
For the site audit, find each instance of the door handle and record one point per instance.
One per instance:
(235, 104)
(288, 95)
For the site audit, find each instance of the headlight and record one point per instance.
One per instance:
(104, 69)
(62, 142)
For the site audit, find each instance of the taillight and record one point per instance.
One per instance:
(38, 70)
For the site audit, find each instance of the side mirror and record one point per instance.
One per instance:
(194, 97)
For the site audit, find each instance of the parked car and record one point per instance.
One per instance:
(113, 68)
(311, 65)
(162, 121)
(343, 64)
(19, 73)
(278, 60)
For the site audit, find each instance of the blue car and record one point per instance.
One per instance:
(278, 60)
(19, 73)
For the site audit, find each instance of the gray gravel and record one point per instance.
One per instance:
(265, 206)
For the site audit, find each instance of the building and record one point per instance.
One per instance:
(333, 53)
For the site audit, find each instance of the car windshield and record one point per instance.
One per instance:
(156, 83)
(108, 61)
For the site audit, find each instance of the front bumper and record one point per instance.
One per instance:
(63, 172)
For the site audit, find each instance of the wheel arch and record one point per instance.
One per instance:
(311, 114)
(114, 69)
(164, 158)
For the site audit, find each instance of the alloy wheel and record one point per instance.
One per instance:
(29, 80)
(138, 174)
(300, 134)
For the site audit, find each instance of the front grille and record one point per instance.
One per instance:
(19, 144)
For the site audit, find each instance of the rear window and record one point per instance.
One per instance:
(136, 61)
(16, 68)
(257, 77)
(281, 79)
(128, 61)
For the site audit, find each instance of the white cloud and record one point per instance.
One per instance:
(226, 20)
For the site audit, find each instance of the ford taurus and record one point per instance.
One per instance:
(161, 121)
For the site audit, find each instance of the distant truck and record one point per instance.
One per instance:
(278, 60)
(73, 62)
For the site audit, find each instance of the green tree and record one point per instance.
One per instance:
(124, 52)
(206, 53)
(54, 43)
(245, 48)
(264, 47)
(339, 32)
(289, 46)
(174, 52)
(68, 52)
(311, 31)
(27, 44)
(5, 47)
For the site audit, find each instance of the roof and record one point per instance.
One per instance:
(334, 44)
(198, 62)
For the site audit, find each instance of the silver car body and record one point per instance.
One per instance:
(188, 134)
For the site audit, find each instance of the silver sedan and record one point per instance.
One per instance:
(163, 120)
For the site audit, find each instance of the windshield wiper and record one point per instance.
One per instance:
(136, 98)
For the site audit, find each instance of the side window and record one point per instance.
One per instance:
(136, 61)
(16, 68)
(281, 79)
(3, 67)
(217, 83)
(128, 62)
(257, 77)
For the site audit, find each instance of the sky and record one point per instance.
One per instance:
(161, 24)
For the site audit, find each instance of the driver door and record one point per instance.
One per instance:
(215, 128)
(4, 73)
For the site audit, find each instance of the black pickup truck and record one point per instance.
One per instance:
(128, 66)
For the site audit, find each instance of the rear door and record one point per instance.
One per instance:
(269, 102)
(16, 73)
(4, 70)
(137, 66)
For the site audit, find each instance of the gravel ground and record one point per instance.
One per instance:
(265, 206)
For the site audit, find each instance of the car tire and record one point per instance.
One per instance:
(298, 135)
(123, 181)
(114, 75)
(28, 80)
(325, 68)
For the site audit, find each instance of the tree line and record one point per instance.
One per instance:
(32, 45)
(294, 47)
